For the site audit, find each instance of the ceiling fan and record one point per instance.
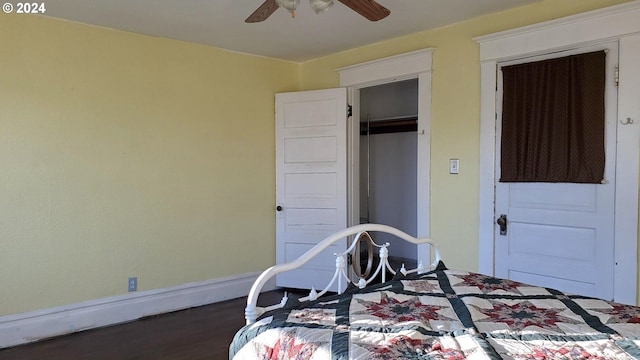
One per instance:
(367, 8)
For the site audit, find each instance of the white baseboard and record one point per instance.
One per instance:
(41, 324)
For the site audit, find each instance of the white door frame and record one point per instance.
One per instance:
(412, 65)
(612, 23)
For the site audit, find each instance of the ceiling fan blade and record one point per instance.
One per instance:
(263, 12)
(368, 8)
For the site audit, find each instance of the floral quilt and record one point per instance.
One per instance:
(445, 314)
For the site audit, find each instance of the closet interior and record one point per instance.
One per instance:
(388, 162)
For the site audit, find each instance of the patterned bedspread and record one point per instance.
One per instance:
(445, 314)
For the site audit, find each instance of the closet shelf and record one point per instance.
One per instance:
(390, 125)
(395, 118)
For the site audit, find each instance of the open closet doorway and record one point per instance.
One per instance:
(388, 163)
(391, 75)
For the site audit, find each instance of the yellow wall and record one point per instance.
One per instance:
(127, 155)
(455, 111)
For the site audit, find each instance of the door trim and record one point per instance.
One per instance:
(592, 27)
(412, 65)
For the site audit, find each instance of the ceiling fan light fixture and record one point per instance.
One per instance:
(289, 5)
(320, 6)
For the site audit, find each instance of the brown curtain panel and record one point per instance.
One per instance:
(553, 120)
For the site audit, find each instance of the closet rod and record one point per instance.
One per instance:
(399, 124)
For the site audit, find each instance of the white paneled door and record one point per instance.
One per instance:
(311, 181)
(561, 235)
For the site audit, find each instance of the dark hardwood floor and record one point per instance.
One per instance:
(197, 333)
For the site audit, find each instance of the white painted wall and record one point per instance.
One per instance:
(393, 187)
(389, 100)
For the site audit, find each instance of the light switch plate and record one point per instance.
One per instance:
(454, 166)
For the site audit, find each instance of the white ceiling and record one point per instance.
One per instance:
(220, 23)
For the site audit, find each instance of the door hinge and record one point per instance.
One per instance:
(616, 76)
(349, 259)
(349, 110)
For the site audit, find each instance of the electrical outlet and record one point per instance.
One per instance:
(133, 284)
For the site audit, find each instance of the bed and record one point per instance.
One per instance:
(430, 312)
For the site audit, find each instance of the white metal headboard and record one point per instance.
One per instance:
(341, 272)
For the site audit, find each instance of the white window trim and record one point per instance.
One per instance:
(612, 23)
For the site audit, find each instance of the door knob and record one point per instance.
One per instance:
(502, 222)
(278, 208)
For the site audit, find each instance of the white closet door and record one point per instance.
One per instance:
(311, 181)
